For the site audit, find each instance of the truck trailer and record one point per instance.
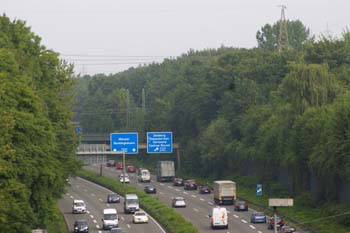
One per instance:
(224, 192)
(165, 171)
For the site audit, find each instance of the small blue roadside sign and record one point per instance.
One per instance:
(125, 142)
(259, 189)
(159, 142)
(78, 130)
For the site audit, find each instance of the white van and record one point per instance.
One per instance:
(131, 203)
(218, 218)
(110, 219)
(144, 175)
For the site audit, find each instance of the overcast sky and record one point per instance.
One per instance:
(128, 32)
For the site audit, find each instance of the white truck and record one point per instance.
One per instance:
(110, 218)
(144, 175)
(131, 203)
(165, 171)
(224, 192)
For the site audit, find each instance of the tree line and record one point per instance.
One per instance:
(274, 116)
(37, 138)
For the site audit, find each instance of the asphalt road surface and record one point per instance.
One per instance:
(198, 205)
(95, 198)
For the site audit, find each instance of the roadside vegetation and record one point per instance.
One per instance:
(37, 138)
(165, 215)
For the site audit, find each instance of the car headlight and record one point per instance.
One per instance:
(76, 228)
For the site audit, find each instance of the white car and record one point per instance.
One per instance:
(140, 217)
(178, 202)
(78, 207)
(122, 177)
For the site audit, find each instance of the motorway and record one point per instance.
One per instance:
(198, 205)
(95, 198)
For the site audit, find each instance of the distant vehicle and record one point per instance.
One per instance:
(224, 192)
(110, 163)
(258, 217)
(218, 218)
(204, 189)
(190, 185)
(78, 207)
(131, 203)
(178, 181)
(165, 171)
(110, 219)
(178, 202)
(113, 198)
(140, 217)
(279, 221)
(119, 165)
(144, 175)
(131, 169)
(81, 226)
(287, 229)
(241, 206)
(124, 177)
(116, 230)
(150, 189)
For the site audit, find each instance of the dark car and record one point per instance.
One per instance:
(178, 181)
(150, 189)
(258, 217)
(81, 226)
(110, 163)
(131, 169)
(270, 224)
(113, 198)
(204, 190)
(116, 230)
(241, 205)
(190, 185)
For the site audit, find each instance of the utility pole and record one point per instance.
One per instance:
(283, 43)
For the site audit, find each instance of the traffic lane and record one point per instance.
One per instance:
(99, 193)
(240, 220)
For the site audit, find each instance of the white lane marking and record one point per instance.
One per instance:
(98, 231)
(108, 205)
(201, 199)
(186, 193)
(178, 190)
(228, 212)
(194, 196)
(100, 200)
(161, 193)
(244, 221)
(98, 227)
(170, 187)
(139, 185)
(67, 194)
(95, 221)
(259, 231)
(85, 190)
(71, 197)
(77, 186)
(195, 210)
(91, 216)
(236, 216)
(93, 194)
(253, 227)
(210, 203)
(128, 226)
(161, 184)
(122, 218)
(88, 212)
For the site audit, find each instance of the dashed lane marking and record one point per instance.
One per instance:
(170, 187)
(236, 216)
(161, 193)
(186, 193)
(108, 205)
(228, 212)
(178, 190)
(122, 218)
(259, 231)
(194, 196)
(201, 199)
(77, 186)
(100, 200)
(195, 210)
(253, 227)
(98, 227)
(95, 221)
(93, 194)
(128, 226)
(161, 184)
(91, 216)
(244, 221)
(88, 212)
(210, 203)
(71, 197)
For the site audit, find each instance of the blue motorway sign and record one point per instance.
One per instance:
(259, 189)
(159, 142)
(125, 142)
